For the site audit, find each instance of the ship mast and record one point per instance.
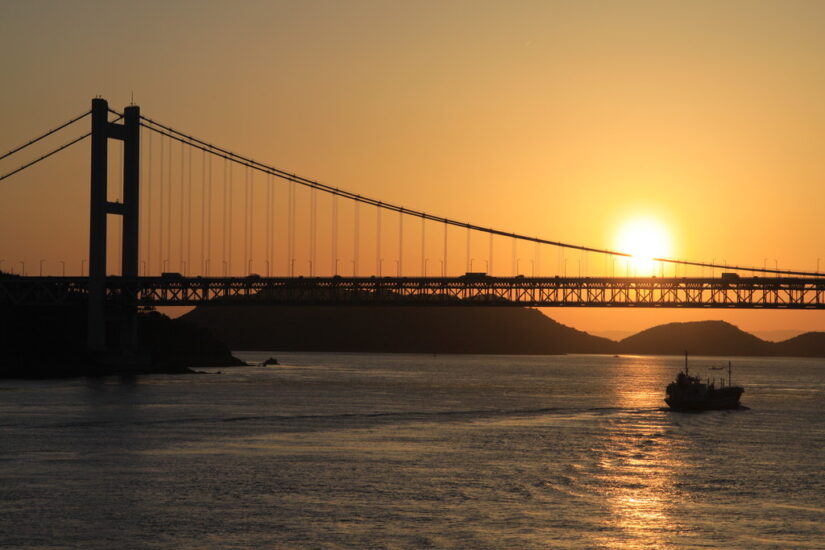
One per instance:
(686, 366)
(729, 369)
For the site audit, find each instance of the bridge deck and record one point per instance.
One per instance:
(741, 292)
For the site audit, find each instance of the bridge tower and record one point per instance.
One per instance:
(129, 133)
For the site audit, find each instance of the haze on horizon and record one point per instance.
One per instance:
(557, 119)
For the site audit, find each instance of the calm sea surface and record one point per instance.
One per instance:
(415, 451)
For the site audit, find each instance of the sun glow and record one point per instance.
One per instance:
(643, 239)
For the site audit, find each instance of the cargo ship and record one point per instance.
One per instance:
(689, 393)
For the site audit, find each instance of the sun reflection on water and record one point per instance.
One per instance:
(638, 466)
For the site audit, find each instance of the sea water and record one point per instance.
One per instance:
(415, 451)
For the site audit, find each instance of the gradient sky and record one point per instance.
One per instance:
(559, 119)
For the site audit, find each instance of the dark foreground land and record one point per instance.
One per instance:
(50, 342)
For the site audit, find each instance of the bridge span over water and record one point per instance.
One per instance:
(188, 205)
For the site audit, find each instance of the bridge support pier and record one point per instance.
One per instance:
(100, 207)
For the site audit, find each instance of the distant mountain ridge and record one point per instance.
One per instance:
(395, 329)
(483, 330)
(718, 338)
(777, 335)
(699, 337)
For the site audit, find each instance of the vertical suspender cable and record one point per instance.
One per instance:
(245, 266)
(268, 225)
(334, 236)
(423, 246)
(167, 197)
(469, 260)
(209, 218)
(147, 201)
(162, 201)
(356, 240)
(313, 197)
(378, 240)
(490, 257)
(169, 209)
(182, 211)
(273, 240)
(444, 263)
(249, 219)
(400, 243)
(251, 215)
(163, 205)
(189, 216)
(203, 213)
(291, 229)
(268, 210)
(225, 217)
(204, 202)
(229, 224)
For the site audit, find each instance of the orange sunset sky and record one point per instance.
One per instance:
(564, 120)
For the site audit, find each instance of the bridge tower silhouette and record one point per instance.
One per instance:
(129, 133)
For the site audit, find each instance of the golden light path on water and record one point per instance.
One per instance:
(638, 469)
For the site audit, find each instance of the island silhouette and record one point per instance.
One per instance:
(469, 329)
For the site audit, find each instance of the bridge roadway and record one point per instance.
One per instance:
(726, 292)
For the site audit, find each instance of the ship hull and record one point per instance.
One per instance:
(727, 398)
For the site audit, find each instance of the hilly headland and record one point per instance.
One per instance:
(50, 342)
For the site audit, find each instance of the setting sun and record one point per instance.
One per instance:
(643, 239)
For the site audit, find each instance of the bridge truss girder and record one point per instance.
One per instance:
(743, 293)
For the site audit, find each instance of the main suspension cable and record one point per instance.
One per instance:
(261, 167)
(54, 151)
(44, 157)
(47, 134)
(246, 161)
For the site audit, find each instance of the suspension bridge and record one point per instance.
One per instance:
(203, 225)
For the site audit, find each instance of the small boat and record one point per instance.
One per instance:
(691, 394)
